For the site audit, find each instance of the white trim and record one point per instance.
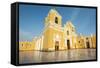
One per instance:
(55, 27)
(56, 37)
(60, 29)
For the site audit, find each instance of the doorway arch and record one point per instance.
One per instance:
(88, 44)
(68, 44)
(56, 45)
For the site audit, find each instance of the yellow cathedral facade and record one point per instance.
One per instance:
(55, 37)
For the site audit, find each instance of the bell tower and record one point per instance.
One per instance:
(53, 17)
(53, 31)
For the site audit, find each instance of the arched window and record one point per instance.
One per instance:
(86, 38)
(56, 20)
(72, 29)
(22, 44)
(67, 32)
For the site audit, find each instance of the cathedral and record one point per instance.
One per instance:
(56, 37)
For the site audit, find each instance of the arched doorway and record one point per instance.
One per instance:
(88, 44)
(68, 44)
(56, 45)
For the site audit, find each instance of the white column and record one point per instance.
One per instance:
(85, 43)
(66, 42)
(90, 42)
(42, 42)
(71, 42)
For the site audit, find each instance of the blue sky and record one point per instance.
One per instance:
(31, 20)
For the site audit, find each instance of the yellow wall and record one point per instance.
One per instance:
(55, 32)
(26, 46)
(50, 38)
